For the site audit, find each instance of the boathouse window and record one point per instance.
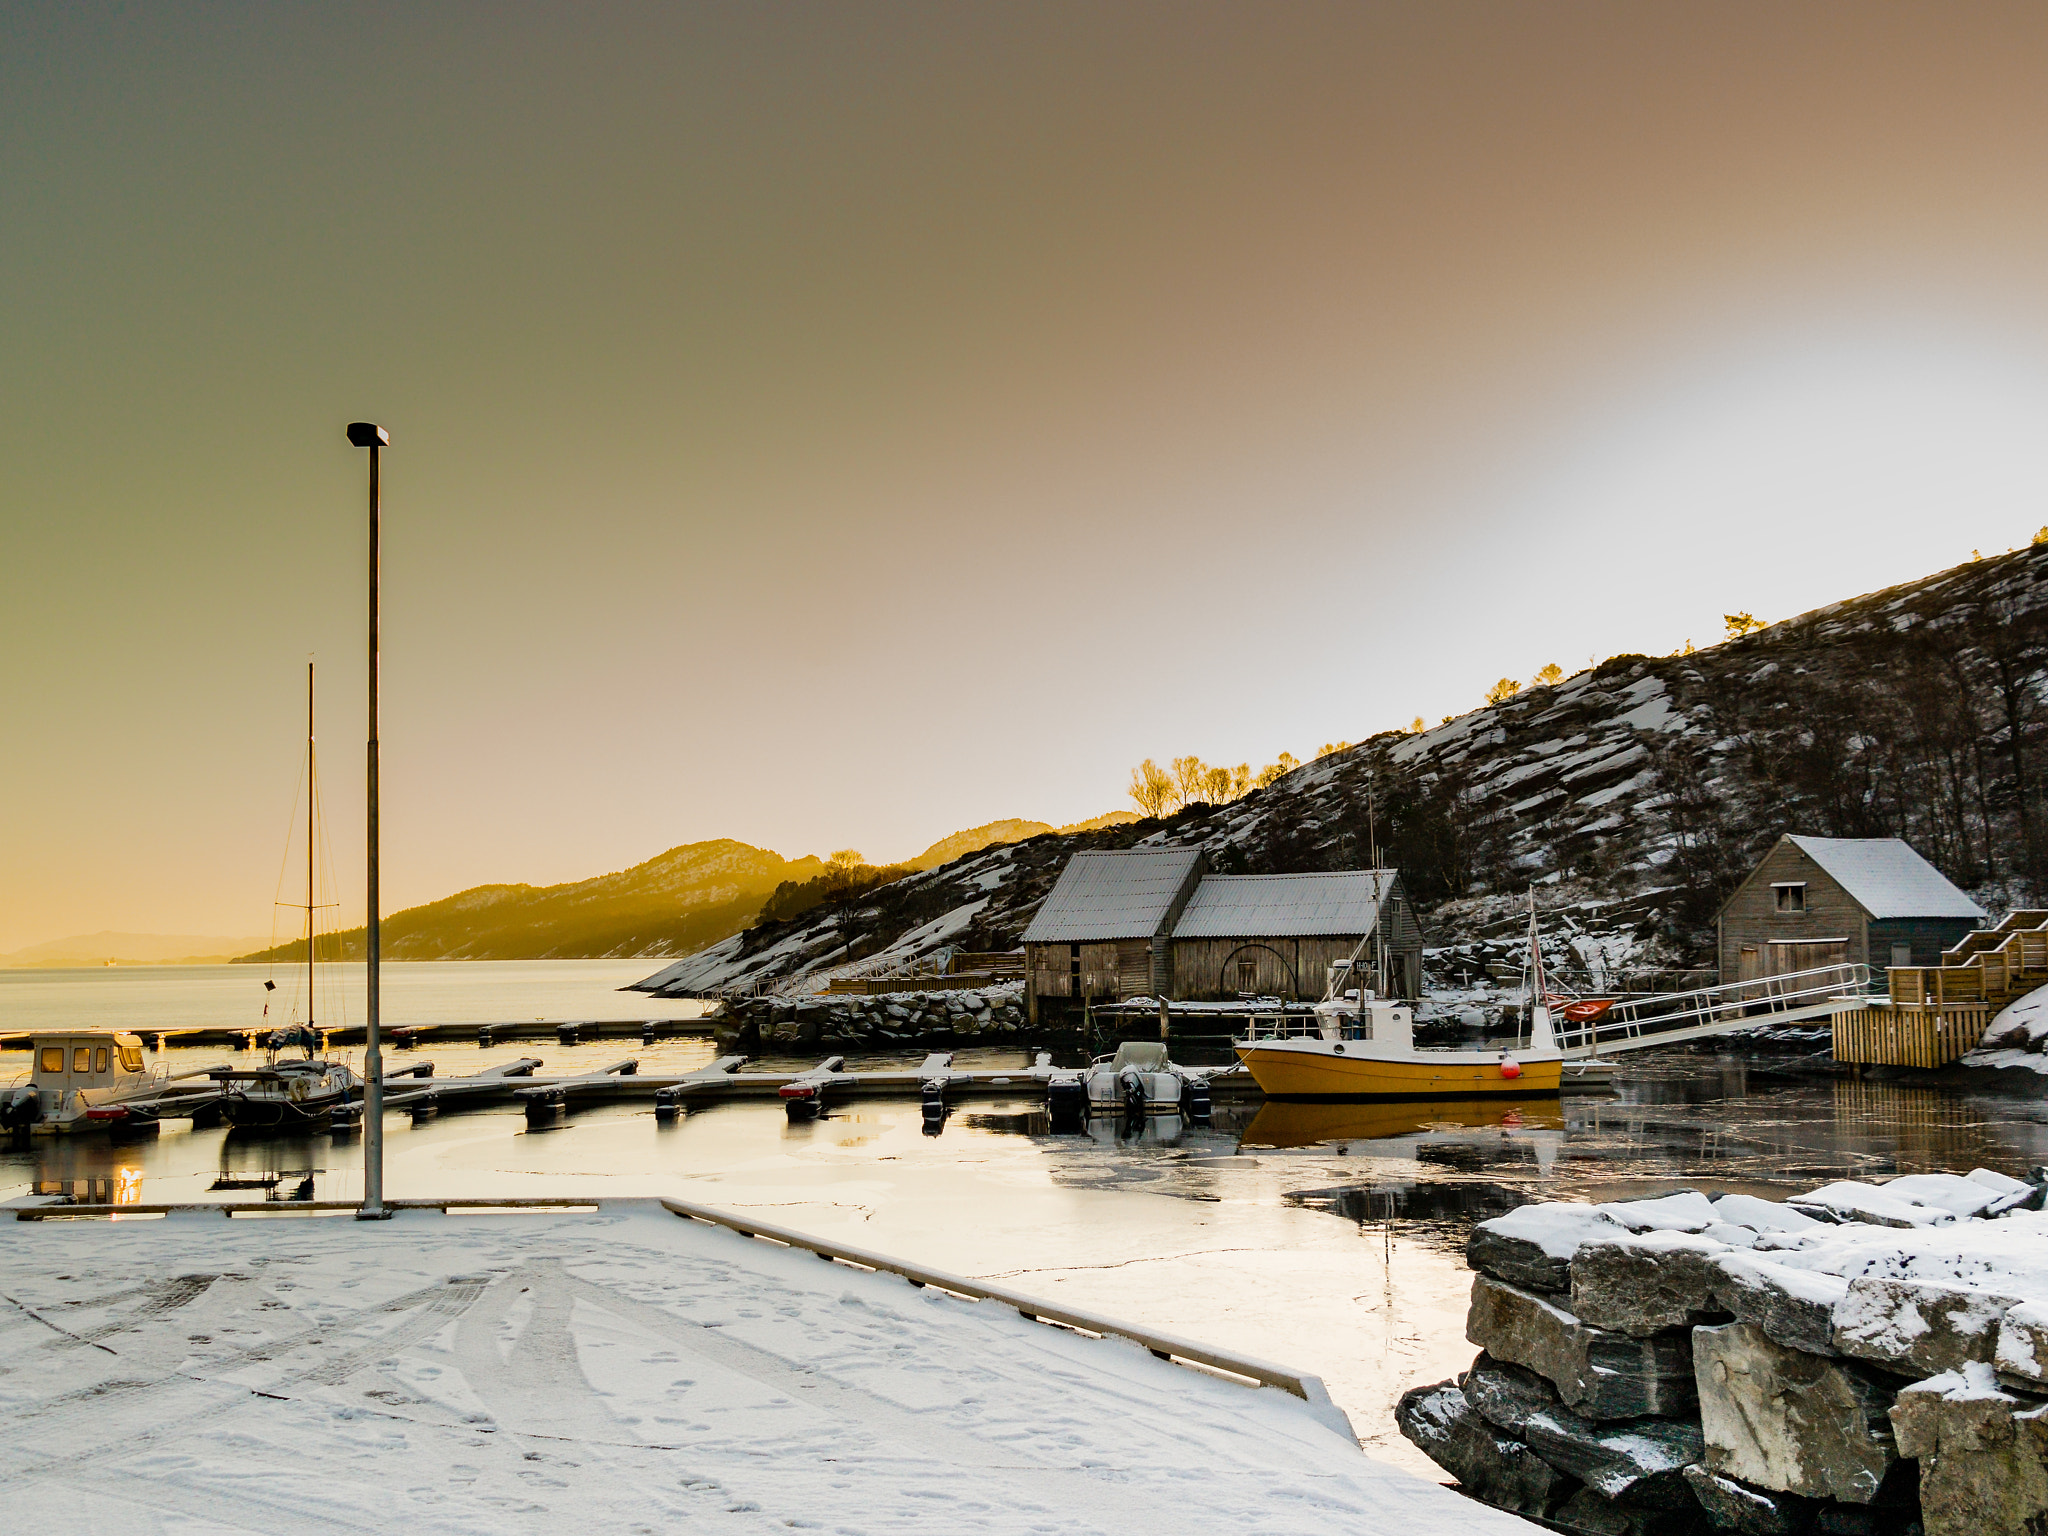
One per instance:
(1791, 896)
(53, 1058)
(81, 1059)
(1247, 977)
(99, 1059)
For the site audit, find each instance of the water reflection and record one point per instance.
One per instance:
(1303, 1125)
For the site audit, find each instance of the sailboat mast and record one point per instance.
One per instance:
(312, 793)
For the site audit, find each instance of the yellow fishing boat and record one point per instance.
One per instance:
(1366, 1050)
(1359, 1046)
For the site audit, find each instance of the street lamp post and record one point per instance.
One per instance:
(367, 434)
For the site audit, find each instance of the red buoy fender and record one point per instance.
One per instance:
(1509, 1067)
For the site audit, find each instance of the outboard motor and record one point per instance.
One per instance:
(1195, 1099)
(20, 1108)
(1135, 1097)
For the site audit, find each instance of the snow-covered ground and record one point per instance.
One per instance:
(621, 1370)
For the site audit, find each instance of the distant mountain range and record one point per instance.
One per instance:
(126, 949)
(673, 904)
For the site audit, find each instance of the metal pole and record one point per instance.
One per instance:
(373, 1207)
(312, 792)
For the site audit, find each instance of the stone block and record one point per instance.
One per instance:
(1983, 1455)
(1532, 1247)
(1735, 1506)
(1597, 1373)
(1505, 1395)
(1640, 1460)
(1918, 1327)
(1793, 1307)
(1593, 1514)
(1646, 1284)
(1790, 1421)
(1487, 1464)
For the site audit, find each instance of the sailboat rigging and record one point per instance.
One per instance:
(312, 1089)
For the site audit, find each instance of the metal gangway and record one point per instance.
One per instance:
(1669, 1018)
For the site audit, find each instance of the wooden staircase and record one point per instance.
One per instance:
(1991, 967)
(1938, 1013)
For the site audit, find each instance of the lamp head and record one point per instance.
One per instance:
(367, 434)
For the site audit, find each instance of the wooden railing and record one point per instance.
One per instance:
(1991, 966)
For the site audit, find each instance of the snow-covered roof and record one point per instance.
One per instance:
(1284, 906)
(1126, 894)
(1887, 878)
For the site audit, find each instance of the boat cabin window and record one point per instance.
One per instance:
(131, 1058)
(81, 1059)
(99, 1059)
(1791, 897)
(53, 1058)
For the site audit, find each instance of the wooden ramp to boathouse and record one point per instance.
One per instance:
(1935, 1014)
(1671, 1018)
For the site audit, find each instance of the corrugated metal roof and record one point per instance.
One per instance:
(1284, 906)
(1888, 878)
(1113, 895)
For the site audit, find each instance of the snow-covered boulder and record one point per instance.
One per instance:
(1919, 1327)
(1532, 1246)
(1873, 1204)
(1645, 1283)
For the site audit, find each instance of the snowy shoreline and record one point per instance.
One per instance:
(622, 1368)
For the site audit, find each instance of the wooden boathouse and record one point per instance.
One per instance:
(1820, 901)
(1153, 922)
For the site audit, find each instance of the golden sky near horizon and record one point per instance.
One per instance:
(832, 425)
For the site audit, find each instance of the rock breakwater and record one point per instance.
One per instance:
(881, 1021)
(1864, 1359)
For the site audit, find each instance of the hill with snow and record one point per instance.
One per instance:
(1632, 796)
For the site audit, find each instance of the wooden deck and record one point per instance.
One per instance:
(1911, 1036)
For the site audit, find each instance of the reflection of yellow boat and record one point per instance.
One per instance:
(1365, 1049)
(1300, 1125)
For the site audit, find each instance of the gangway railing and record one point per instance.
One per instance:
(1639, 1022)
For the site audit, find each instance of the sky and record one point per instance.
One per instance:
(838, 425)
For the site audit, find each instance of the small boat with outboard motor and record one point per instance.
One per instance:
(97, 1080)
(1137, 1080)
(1360, 1046)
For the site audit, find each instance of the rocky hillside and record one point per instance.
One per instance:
(1632, 796)
(674, 903)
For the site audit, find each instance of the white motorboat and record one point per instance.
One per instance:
(93, 1079)
(1137, 1080)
